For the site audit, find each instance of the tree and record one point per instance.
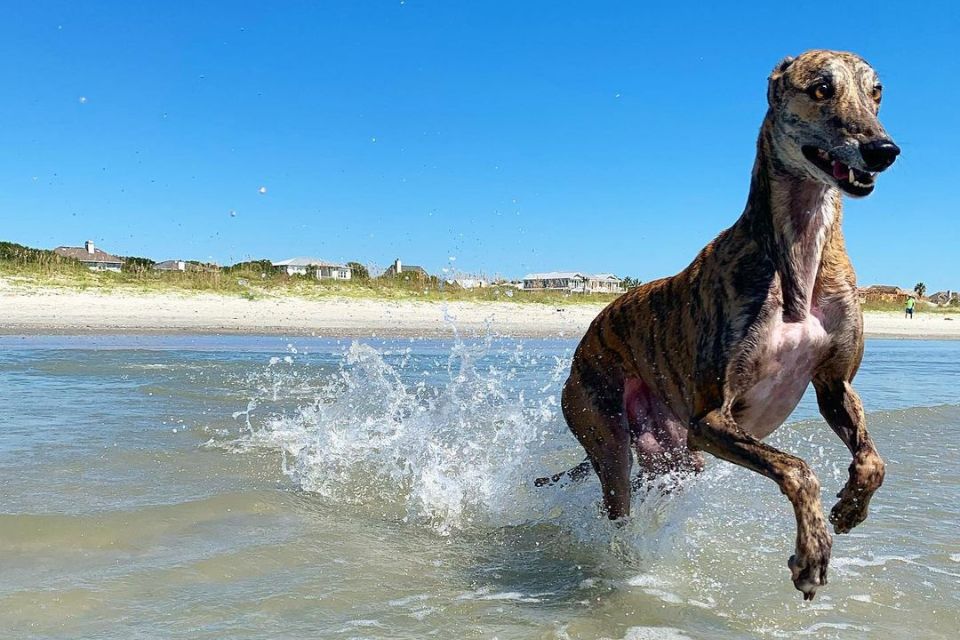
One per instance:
(137, 264)
(358, 271)
(631, 283)
(920, 289)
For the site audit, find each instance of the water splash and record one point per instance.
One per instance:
(447, 446)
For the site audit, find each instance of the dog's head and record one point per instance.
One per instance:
(823, 111)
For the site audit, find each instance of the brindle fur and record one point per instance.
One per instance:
(678, 365)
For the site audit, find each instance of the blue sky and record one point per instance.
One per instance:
(512, 136)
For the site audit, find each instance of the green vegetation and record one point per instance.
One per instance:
(35, 268)
(135, 264)
(920, 289)
(358, 271)
(922, 307)
(18, 258)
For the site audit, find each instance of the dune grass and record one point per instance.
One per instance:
(252, 283)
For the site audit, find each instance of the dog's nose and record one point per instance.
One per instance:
(879, 154)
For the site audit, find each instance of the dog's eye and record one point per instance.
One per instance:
(877, 93)
(821, 91)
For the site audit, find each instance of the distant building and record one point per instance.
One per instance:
(884, 293)
(397, 268)
(183, 265)
(321, 269)
(95, 259)
(573, 282)
(944, 297)
(469, 283)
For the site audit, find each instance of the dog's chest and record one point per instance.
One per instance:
(783, 367)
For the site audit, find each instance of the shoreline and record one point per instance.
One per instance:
(60, 312)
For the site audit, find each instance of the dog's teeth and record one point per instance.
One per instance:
(850, 177)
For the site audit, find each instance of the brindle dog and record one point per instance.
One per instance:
(716, 357)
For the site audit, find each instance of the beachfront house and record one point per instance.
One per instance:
(320, 269)
(884, 293)
(171, 265)
(184, 265)
(398, 268)
(95, 259)
(573, 282)
(944, 297)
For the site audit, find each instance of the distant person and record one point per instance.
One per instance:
(911, 303)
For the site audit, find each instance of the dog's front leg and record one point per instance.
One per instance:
(717, 433)
(841, 408)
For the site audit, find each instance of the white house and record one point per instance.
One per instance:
(572, 282)
(322, 269)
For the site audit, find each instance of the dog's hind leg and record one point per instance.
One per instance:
(841, 408)
(604, 435)
(718, 434)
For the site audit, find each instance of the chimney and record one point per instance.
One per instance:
(396, 266)
(89, 247)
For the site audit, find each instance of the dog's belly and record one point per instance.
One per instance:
(654, 428)
(784, 367)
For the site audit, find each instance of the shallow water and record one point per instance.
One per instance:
(250, 487)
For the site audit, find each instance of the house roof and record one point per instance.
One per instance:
(404, 268)
(306, 262)
(81, 254)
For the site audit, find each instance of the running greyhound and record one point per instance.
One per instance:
(716, 357)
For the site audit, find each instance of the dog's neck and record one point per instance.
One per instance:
(792, 218)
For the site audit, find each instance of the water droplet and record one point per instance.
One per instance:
(83, 99)
(373, 139)
(233, 214)
(262, 190)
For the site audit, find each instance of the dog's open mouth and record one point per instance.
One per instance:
(853, 181)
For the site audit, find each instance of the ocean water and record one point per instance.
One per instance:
(255, 487)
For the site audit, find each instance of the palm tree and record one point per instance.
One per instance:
(920, 289)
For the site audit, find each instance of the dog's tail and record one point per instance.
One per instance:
(575, 474)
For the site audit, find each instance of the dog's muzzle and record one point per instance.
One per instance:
(877, 155)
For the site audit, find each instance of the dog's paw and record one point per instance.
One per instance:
(809, 570)
(849, 511)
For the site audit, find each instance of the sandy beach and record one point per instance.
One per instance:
(63, 311)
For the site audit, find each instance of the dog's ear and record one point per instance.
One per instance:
(774, 83)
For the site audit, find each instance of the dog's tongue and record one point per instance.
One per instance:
(840, 170)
